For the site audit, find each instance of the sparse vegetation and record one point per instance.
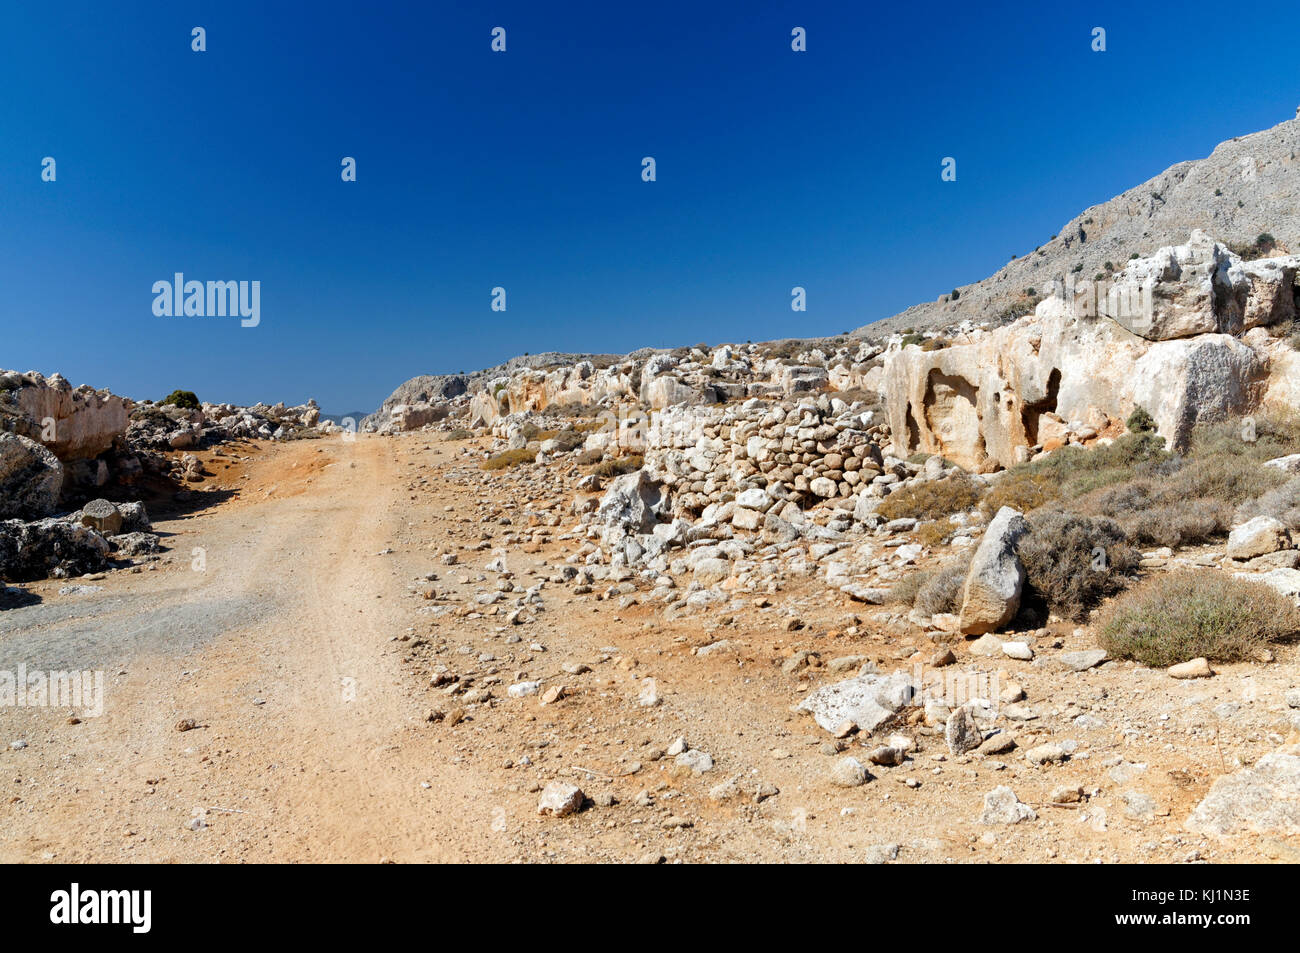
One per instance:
(1261, 247)
(1196, 614)
(931, 499)
(616, 466)
(935, 532)
(460, 433)
(940, 591)
(1072, 562)
(932, 591)
(510, 458)
(1071, 472)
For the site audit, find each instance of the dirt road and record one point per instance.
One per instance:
(277, 642)
(299, 627)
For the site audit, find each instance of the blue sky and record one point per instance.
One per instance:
(522, 170)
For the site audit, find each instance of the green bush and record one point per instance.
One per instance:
(185, 399)
(1196, 614)
(1140, 421)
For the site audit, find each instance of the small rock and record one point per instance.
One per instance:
(1067, 794)
(1196, 668)
(523, 689)
(961, 732)
(698, 761)
(1001, 806)
(849, 773)
(887, 756)
(560, 799)
(1000, 743)
(1018, 650)
(880, 854)
(1082, 661)
(1045, 754)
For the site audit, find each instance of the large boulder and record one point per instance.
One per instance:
(31, 478)
(1180, 291)
(57, 547)
(632, 504)
(1258, 537)
(996, 579)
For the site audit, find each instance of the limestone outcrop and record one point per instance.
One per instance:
(72, 423)
(1172, 335)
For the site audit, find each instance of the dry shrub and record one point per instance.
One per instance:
(904, 591)
(931, 499)
(935, 532)
(569, 439)
(616, 466)
(1073, 562)
(1271, 433)
(940, 591)
(1071, 472)
(511, 458)
(1181, 523)
(1021, 490)
(1229, 479)
(1196, 614)
(1282, 502)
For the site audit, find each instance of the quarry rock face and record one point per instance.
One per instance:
(73, 423)
(1070, 369)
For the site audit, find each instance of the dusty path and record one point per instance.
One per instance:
(305, 646)
(280, 649)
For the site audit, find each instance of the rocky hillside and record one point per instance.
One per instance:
(433, 388)
(1249, 185)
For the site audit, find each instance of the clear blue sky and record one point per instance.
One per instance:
(522, 169)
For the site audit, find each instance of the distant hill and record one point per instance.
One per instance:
(356, 415)
(1249, 185)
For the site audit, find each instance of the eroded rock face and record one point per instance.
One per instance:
(73, 423)
(31, 478)
(984, 399)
